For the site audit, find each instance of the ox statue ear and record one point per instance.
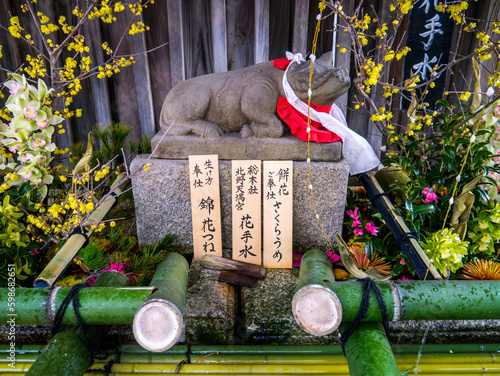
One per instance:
(326, 59)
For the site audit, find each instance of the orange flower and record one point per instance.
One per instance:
(482, 270)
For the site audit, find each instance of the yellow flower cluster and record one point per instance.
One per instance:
(77, 12)
(75, 87)
(36, 68)
(85, 64)
(136, 8)
(405, 5)
(391, 54)
(455, 10)
(79, 44)
(484, 50)
(4, 114)
(372, 74)
(382, 31)
(65, 27)
(465, 96)
(101, 173)
(49, 28)
(15, 28)
(119, 7)
(362, 24)
(114, 67)
(382, 115)
(68, 73)
(43, 19)
(138, 27)
(59, 151)
(106, 48)
(105, 12)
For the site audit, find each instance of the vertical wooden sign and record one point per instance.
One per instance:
(278, 220)
(246, 209)
(205, 205)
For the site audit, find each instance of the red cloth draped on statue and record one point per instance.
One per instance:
(298, 122)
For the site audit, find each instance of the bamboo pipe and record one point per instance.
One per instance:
(368, 352)
(67, 354)
(158, 322)
(99, 305)
(59, 263)
(410, 246)
(419, 300)
(315, 307)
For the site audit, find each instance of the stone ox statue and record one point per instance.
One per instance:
(245, 100)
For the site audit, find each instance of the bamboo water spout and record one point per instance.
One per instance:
(67, 354)
(59, 263)
(158, 322)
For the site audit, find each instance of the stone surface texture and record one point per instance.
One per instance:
(231, 146)
(210, 308)
(162, 201)
(267, 313)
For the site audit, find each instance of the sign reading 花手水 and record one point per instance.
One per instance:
(246, 211)
(429, 38)
(278, 199)
(205, 205)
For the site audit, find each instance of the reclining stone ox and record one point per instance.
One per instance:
(245, 100)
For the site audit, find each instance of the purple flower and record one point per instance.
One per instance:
(333, 256)
(403, 278)
(353, 214)
(296, 259)
(358, 232)
(430, 196)
(356, 223)
(370, 227)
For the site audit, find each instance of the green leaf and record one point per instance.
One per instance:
(443, 103)
(424, 209)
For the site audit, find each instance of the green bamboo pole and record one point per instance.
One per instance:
(368, 352)
(67, 354)
(158, 323)
(99, 305)
(67, 253)
(418, 300)
(314, 302)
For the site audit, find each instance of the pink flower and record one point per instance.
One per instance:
(38, 143)
(356, 223)
(30, 112)
(353, 214)
(403, 278)
(429, 196)
(402, 262)
(14, 89)
(496, 111)
(34, 251)
(296, 259)
(42, 124)
(370, 226)
(333, 256)
(358, 232)
(115, 266)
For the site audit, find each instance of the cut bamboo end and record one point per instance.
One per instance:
(317, 310)
(157, 325)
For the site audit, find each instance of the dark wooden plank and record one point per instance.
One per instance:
(197, 38)
(176, 41)
(11, 55)
(300, 26)
(280, 21)
(236, 278)
(219, 37)
(221, 263)
(261, 31)
(240, 33)
(159, 67)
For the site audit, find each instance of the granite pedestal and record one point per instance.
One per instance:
(162, 193)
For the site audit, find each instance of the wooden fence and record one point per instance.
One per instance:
(205, 36)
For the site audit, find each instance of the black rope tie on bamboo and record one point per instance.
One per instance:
(73, 298)
(184, 361)
(368, 285)
(81, 231)
(406, 237)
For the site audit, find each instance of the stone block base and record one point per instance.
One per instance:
(162, 201)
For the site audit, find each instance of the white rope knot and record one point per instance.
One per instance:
(298, 58)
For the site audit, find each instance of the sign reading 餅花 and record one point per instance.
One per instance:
(246, 211)
(278, 199)
(205, 205)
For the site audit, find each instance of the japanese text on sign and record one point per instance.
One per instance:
(205, 205)
(278, 198)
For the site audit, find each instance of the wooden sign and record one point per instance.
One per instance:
(430, 43)
(205, 205)
(278, 199)
(246, 209)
